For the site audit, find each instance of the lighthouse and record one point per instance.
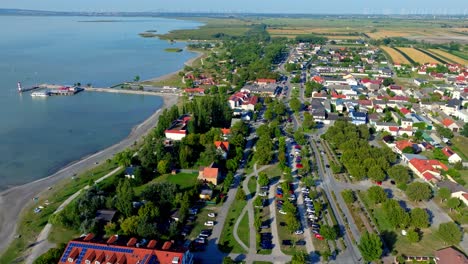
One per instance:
(20, 89)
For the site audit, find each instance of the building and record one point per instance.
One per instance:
(206, 194)
(178, 129)
(428, 170)
(210, 174)
(226, 133)
(222, 147)
(358, 118)
(450, 124)
(120, 250)
(130, 172)
(451, 155)
(265, 81)
(105, 216)
(401, 145)
(456, 190)
(243, 100)
(450, 256)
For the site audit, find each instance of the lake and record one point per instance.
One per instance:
(40, 135)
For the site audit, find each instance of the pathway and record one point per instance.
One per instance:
(42, 245)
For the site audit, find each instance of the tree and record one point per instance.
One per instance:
(136, 78)
(419, 218)
(413, 236)
(258, 201)
(124, 158)
(395, 214)
(376, 173)
(263, 179)
(228, 181)
(464, 131)
(129, 226)
(377, 194)
(309, 121)
(388, 81)
(124, 199)
(329, 232)
(318, 206)
(444, 193)
(370, 247)
(110, 229)
(295, 104)
(299, 257)
(163, 166)
(399, 173)
(408, 150)
(228, 260)
(418, 191)
(292, 223)
(450, 233)
(240, 195)
(348, 196)
(453, 203)
(51, 256)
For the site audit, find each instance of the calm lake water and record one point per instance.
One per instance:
(40, 135)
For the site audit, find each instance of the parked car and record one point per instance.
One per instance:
(319, 237)
(211, 215)
(300, 243)
(209, 223)
(263, 194)
(299, 232)
(282, 212)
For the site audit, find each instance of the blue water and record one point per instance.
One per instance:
(40, 135)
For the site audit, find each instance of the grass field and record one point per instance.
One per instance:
(417, 56)
(243, 230)
(448, 56)
(395, 55)
(227, 243)
(30, 224)
(460, 145)
(252, 185)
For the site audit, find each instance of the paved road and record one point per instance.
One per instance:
(42, 245)
(12, 201)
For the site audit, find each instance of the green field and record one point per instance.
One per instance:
(184, 180)
(227, 243)
(243, 231)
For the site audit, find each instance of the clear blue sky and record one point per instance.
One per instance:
(253, 6)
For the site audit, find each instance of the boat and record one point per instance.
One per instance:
(40, 94)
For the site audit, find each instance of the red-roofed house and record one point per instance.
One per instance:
(178, 129)
(223, 148)
(451, 155)
(243, 100)
(265, 81)
(402, 144)
(209, 174)
(317, 79)
(80, 251)
(449, 123)
(450, 256)
(405, 111)
(195, 90)
(427, 169)
(226, 132)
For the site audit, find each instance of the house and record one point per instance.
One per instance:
(206, 194)
(452, 106)
(462, 195)
(406, 157)
(450, 256)
(401, 145)
(406, 122)
(120, 249)
(210, 174)
(130, 172)
(428, 170)
(265, 81)
(450, 124)
(420, 82)
(243, 100)
(358, 118)
(389, 127)
(226, 132)
(456, 190)
(222, 147)
(178, 129)
(451, 155)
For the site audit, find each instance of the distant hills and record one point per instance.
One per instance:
(26, 12)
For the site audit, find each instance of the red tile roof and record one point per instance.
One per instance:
(450, 256)
(447, 122)
(465, 195)
(266, 81)
(423, 166)
(402, 144)
(428, 176)
(222, 144)
(448, 152)
(405, 110)
(210, 172)
(79, 251)
(225, 131)
(194, 90)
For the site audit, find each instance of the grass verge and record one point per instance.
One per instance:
(227, 242)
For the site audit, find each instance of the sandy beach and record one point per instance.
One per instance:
(14, 200)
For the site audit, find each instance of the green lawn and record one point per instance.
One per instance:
(60, 234)
(227, 242)
(284, 234)
(31, 224)
(202, 217)
(243, 230)
(460, 145)
(273, 172)
(252, 184)
(184, 180)
(464, 176)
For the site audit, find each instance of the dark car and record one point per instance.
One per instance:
(287, 243)
(266, 245)
(300, 243)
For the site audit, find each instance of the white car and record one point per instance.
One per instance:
(263, 194)
(211, 215)
(209, 223)
(307, 199)
(299, 232)
(309, 210)
(282, 212)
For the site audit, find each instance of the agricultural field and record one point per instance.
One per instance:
(417, 55)
(447, 56)
(395, 55)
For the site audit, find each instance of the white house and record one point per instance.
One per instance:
(452, 156)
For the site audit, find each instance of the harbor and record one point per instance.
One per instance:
(46, 90)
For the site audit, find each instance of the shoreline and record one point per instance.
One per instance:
(14, 200)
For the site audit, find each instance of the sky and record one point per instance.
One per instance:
(366, 7)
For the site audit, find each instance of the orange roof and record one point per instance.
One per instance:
(225, 131)
(450, 256)
(448, 152)
(222, 144)
(465, 195)
(210, 172)
(447, 122)
(428, 165)
(266, 80)
(402, 144)
(428, 176)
